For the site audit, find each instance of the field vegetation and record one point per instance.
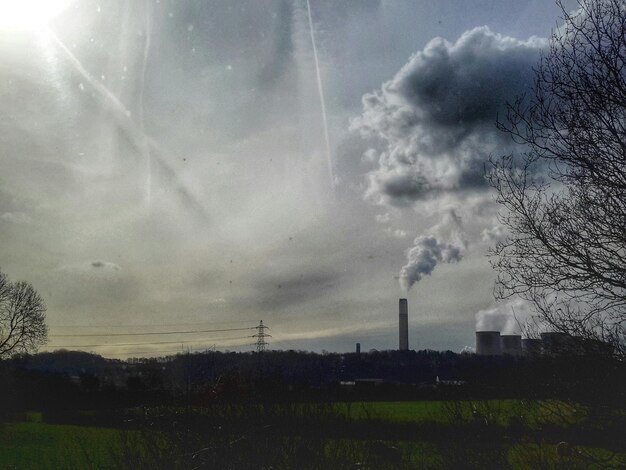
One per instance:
(366, 435)
(296, 410)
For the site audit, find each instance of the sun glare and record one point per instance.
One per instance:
(29, 14)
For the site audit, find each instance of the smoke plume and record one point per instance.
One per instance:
(426, 253)
(508, 317)
(430, 250)
(432, 129)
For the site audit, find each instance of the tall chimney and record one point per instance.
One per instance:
(404, 325)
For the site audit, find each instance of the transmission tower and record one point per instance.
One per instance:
(261, 344)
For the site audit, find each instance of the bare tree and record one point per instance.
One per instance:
(22, 318)
(564, 198)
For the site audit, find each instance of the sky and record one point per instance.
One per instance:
(200, 165)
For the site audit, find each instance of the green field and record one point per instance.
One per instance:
(34, 444)
(494, 412)
(499, 412)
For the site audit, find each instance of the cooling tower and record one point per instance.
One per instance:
(531, 346)
(511, 344)
(488, 343)
(404, 325)
(556, 343)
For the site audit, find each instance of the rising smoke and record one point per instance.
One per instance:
(506, 317)
(426, 253)
(432, 127)
(445, 244)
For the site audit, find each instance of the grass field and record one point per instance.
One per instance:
(499, 412)
(33, 444)
(36, 445)
(495, 412)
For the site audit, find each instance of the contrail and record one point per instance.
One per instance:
(320, 89)
(137, 137)
(144, 64)
(104, 92)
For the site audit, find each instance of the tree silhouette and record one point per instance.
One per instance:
(22, 318)
(565, 196)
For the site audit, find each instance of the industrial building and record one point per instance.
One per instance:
(511, 344)
(492, 343)
(556, 343)
(488, 343)
(531, 346)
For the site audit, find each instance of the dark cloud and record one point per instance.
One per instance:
(104, 265)
(290, 289)
(434, 121)
(204, 279)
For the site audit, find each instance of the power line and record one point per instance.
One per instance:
(149, 352)
(200, 348)
(162, 351)
(151, 333)
(138, 325)
(149, 343)
(154, 351)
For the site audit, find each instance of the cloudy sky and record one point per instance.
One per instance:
(177, 165)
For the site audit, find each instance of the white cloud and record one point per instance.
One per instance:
(492, 234)
(435, 120)
(399, 233)
(383, 218)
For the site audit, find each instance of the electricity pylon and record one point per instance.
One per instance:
(261, 344)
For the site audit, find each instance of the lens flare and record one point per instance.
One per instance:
(29, 15)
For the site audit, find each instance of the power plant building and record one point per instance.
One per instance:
(492, 343)
(511, 344)
(404, 326)
(488, 343)
(532, 346)
(556, 343)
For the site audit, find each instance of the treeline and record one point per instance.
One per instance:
(75, 380)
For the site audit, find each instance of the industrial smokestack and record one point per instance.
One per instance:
(358, 348)
(404, 325)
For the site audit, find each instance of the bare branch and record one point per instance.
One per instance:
(22, 318)
(564, 199)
